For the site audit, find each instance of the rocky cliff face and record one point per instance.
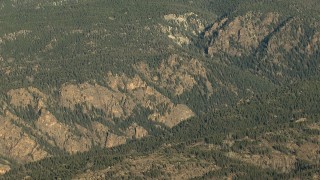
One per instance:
(31, 123)
(60, 135)
(182, 28)
(177, 74)
(122, 96)
(267, 41)
(18, 144)
(242, 35)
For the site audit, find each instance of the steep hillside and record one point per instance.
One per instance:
(268, 44)
(266, 136)
(101, 89)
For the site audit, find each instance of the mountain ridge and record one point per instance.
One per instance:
(128, 82)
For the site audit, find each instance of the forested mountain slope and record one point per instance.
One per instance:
(103, 89)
